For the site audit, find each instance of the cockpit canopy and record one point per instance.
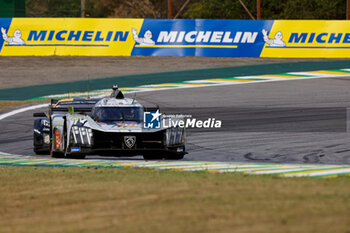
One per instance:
(113, 114)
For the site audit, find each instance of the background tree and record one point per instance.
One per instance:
(53, 8)
(270, 9)
(209, 9)
(102, 8)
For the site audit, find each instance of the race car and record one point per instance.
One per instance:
(110, 126)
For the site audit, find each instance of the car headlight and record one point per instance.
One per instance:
(75, 130)
(47, 139)
(82, 135)
(46, 123)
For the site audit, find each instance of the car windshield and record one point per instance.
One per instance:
(110, 114)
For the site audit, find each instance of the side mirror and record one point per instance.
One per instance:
(70, 109)
(39, 114)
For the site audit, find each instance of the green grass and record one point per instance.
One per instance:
(34, 199)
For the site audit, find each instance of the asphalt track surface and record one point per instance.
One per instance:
(278, 146)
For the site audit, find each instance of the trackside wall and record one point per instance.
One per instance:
(185, 37)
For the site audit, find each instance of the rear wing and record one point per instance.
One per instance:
(79, 105)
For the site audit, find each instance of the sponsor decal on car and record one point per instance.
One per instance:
(75, 149)
(130, 141)
(58, 139)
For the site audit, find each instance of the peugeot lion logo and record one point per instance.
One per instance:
(130, 141)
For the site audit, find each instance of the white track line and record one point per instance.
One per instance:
(320, 173)
(14, 112)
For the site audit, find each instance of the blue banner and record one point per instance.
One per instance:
(4, 27)
(200, 37)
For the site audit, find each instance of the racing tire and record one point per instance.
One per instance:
(171, 156)
(70, 156)
(152, 156)
(56, 154)
(41, 152)
(79, 156)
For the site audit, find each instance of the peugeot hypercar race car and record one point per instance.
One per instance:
(112, 126)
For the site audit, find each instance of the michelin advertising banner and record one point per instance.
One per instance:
(158, 37)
